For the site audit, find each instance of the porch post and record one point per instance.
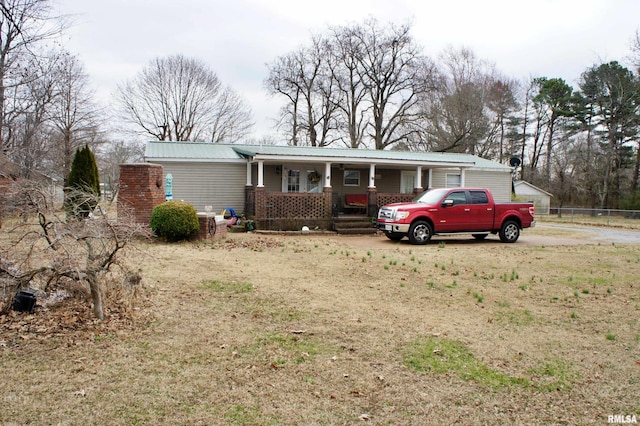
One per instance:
(372, 201)
(462, 184)
(372, 175)
(372, 192)
(429, 178)
(327, 175)
(249, 183)
(261, 207)
(260, 173)
(418, 186)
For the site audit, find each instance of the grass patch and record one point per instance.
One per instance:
(444, 356)
(279, 349)
(553, 374)
(243, 415)
(515, 317)
(218, 286)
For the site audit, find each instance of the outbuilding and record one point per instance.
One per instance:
(540, 198)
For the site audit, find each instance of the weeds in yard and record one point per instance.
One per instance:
(479, 297)
(610, 337)
(445, 356)
(279, 349)
(218, 286)
(515, 317)
(243, 415)
(553, 374)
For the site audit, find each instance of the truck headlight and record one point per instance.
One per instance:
(402, 215)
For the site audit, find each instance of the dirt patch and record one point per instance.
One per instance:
(305, 329)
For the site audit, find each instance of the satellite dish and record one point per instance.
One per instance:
(514, 162)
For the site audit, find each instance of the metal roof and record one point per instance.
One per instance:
(216, 152)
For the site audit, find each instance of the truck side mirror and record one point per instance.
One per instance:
(447, 203)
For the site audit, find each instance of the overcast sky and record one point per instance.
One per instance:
(116, 39)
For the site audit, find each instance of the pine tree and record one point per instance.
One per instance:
(83, 184)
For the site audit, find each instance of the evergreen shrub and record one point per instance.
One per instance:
(175, 221)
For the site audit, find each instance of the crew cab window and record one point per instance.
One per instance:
(458, 197)
(479, 197)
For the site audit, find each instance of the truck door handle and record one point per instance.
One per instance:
(467, 210)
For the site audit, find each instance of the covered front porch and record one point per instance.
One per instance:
(287, 194)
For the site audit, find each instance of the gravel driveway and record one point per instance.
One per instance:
(590, 234)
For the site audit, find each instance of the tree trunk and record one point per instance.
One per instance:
(96, 296)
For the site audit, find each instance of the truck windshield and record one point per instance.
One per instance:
(432, 196)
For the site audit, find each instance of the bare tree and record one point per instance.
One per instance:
(345, 49)
(73, 114)
(458, 111)
(51, 252)
(282, 80)
(231, 120)
(110, 156)
(396, 75)
(362, 80)
(27, 132)
(303, 77)
(24, 26)
(181, 99)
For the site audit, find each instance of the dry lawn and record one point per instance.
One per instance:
(330, 330)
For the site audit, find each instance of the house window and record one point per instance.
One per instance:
(314, 179)
(407, 181)
(293, 181)
(453, 180)
(352, 178)
(302, 181)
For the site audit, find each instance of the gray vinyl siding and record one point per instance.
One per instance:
(213, 184)
(498, 182)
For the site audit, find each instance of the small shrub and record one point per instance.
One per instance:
(175, 221)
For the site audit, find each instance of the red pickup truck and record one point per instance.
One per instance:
(455, 210)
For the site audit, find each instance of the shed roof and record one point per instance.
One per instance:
(216, 152)
(531, 186)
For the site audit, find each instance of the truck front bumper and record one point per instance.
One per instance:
(399, 228)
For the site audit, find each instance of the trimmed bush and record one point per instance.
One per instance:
(82, 191)
(175, 221)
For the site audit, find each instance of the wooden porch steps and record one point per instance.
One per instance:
(353, 225)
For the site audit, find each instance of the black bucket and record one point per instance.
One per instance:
(24, 301)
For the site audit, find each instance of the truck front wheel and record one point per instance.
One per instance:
(420, 232)
(509, 232)
(393, 236)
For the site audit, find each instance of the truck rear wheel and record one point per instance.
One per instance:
(420, 232)
(509, 232)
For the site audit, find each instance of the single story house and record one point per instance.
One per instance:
(285, 187)
(540, 198)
